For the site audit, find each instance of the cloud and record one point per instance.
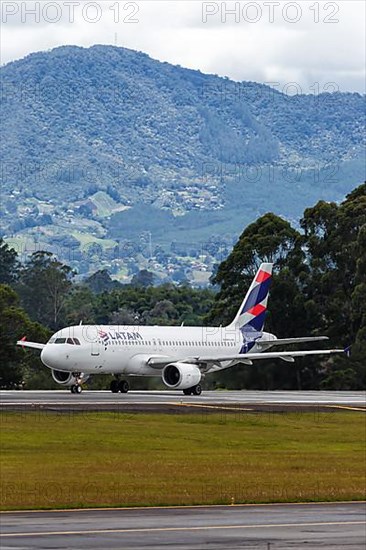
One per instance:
(303, 42)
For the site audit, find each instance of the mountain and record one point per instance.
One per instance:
(103, 144)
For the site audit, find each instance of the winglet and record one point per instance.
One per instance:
(24, 339)
(347, 351)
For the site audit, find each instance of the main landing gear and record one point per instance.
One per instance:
(195, 390)
(75, 388)
(119, 385)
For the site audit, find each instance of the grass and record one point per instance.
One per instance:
(106, 205)
(115, 459)
(86, 239)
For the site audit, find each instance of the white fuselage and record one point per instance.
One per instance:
(126, 350)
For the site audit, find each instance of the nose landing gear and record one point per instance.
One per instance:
(77, 388)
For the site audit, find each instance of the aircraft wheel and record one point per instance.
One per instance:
(123, 386)
(114, 386)
(72, 389)
(197, 390)
(78, 389)
(187, 391)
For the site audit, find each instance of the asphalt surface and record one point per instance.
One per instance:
(339, 526)
(169, 401)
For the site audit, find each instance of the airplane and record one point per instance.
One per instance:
(180, 355)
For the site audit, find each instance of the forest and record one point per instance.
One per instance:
(319, 288)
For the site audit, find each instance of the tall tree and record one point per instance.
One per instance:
(335, 243)
(8, 263)
(44, 284)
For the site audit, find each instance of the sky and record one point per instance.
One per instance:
(306, 46)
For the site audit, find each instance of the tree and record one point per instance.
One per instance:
(79, 306)
(44, 284)
(101, 281)
(8, 263)
(336, 253)
(335, 237)
(143, 278)
(14, 324)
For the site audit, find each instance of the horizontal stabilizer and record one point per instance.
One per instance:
(288, 341)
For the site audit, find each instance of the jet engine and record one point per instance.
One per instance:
(181, 376)
(68, 378)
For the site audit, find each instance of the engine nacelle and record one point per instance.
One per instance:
(67, 378)
(181, 376)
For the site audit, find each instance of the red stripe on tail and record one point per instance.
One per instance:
(256, 310)
(262, 276)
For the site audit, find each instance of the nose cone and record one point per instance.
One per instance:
(50, 356)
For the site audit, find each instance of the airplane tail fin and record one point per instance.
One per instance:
(252, 312)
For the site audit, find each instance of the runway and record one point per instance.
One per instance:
(339, 526)
(168, 401)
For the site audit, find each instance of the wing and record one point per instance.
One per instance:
(285, 355)
(34, 345)
(210, 363)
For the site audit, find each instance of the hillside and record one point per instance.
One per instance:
(90, 134)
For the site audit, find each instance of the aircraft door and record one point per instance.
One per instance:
(95, 348)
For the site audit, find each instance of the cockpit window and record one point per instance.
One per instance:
(52, 340)
(77, 342)
(60, 341)
(70, 341)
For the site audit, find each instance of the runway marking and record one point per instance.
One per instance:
(184, 507)
(210, 406)
(302, 404)
(81, 403)
(179, 529)
(348, 408)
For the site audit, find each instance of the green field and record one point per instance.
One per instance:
(51, 460)
(86, 239)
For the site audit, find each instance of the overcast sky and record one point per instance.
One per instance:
(306, 42)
